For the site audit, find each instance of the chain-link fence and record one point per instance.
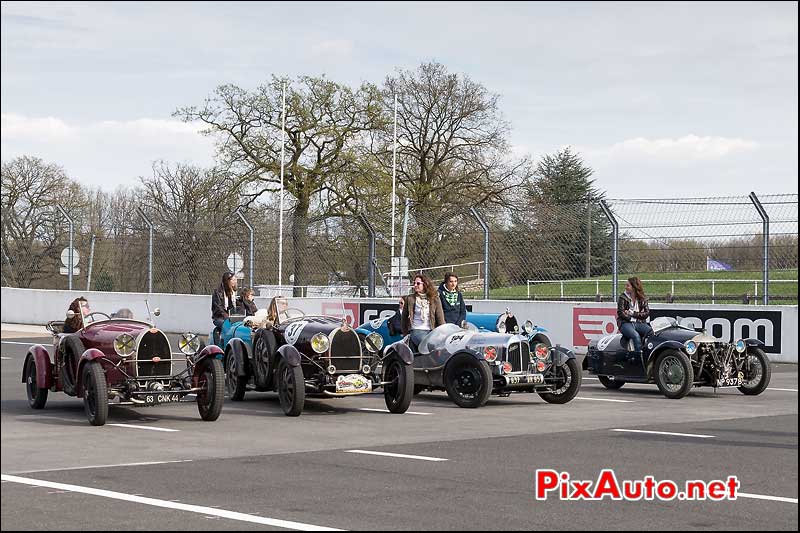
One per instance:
(688, 250)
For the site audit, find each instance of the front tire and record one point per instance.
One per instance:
(468, 381)
(757, 379)
(611, 384)
(263, 352)
(95, 393)
(37, 396)
(212, 395)
(291, 388)
(568, 382)
(673, 373)
(235, 385)
(398, 394)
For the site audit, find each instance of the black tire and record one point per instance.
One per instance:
(611, 384)
(673, 373)
(264, 348)
(760, 373)
(212, 383)
(468, 381)
(235, 385)
(37, 396)
(569, 381)
(73, 350)
(418, 389)
(95, 393)
(398, 394)
(291, 388)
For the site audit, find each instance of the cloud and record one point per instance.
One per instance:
(20, 127)
(335, 47)
(687, 147)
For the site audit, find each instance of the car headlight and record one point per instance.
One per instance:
(320, 343)
(374, 342)
(528, 327)
(124, 345)
(490, 353)
(189, 343)
(691, 347)
(740, 346)
(541, 350)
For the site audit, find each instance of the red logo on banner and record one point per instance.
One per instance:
(348, 311)
(592, 323)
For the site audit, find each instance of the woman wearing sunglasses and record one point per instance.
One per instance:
(422, 310)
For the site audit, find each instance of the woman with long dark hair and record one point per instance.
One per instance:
(79, 306)
(422, 310)
(633, 311)
(223, 301)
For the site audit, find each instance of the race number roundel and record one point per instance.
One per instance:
(293, 331)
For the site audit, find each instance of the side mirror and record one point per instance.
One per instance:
(70, 313)
(156, 312)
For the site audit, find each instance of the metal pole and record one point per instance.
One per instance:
(252, 255)
(280, 212)
(765, 220)
(371, 271)
(394, 171)
(485, 252)
(91, 262)
(71, 265)
(149, 251)
(589, 237)
(405, 229)
(614, 243)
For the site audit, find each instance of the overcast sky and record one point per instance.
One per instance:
(670, 99)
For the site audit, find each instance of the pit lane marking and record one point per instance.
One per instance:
(764, 497)
(199, 509)
(398, 455)
(387, 411)
(151, 428)
(22, 343)
(4, 358)
(603, 399)
(786, 390)
(666, 433)
(146, 463)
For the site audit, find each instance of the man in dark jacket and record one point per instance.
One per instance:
(455, 311)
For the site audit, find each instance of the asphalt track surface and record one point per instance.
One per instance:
(447, 468)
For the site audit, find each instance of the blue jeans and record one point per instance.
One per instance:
(635, 331)
(416, 337)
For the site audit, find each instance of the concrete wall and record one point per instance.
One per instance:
(570, 324)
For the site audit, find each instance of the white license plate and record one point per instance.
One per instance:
(163, 397)
(353, 384)
(535, 379)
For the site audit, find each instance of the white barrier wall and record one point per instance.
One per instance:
(569, 324)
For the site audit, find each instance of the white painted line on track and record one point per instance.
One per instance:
(763, 497)
(603, 399)
(209, 511)
(398, 455)
(23, 343)
(147, 463)
(5, 358)
(387, 411)
(665, 433)
(151, 428)
(786, 390)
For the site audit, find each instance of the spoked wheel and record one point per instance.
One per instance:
(566, 385)
(612, 384)
(291, 388)
(37, 396)
(674, 374)
(399, 392)
(263, 351)
(235, 385)
(95, 393)
(468, 381)
(758, 375)
(212, 389)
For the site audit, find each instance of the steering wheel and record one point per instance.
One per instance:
(88, 318)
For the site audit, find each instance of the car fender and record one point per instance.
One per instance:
(539, 336)
(402, 350)
(561, 355)
(660, 348)
(44, 367)
(92, 354)
(476, 355)
(241, 352)
(210, 351)
(754, 342)
(290, 354)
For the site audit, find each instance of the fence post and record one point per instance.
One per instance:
(765, 221)
(91, 261)
(252, 254)
(71, 265)
(614, 244)
(149, 251)
(485, 252)
(372, 261)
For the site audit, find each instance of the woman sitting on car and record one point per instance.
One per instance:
(422, 311)
(633, 312)
(80, 308)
